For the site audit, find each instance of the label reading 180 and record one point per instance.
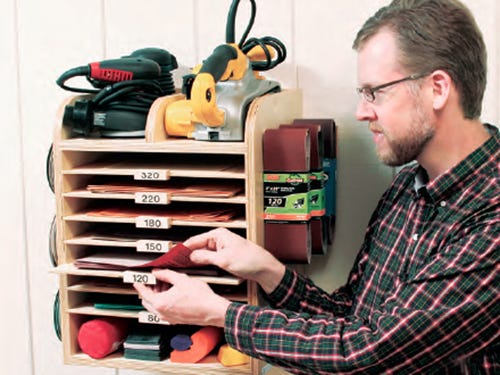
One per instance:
(151, 198)
(139, 277)
(147, 317)
(151, 175)
(152, 222)
(149, 246)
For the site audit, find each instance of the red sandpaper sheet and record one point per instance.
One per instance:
(176, 257)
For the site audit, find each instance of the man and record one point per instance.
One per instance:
(423, 295)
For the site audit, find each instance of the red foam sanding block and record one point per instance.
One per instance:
(102, 336)
(204, 341)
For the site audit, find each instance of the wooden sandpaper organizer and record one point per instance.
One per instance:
(72, 156)
(298, 220)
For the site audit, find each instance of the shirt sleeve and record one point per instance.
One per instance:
(440, 312)
(297, 293)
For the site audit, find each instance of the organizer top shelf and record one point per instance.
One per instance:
(171, 145)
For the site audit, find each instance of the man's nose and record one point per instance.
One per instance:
(365, 111)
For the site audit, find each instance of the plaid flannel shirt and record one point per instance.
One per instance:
(423, 296)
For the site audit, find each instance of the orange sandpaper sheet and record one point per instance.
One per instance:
(207, 190)
(204, 341)
(188, 213)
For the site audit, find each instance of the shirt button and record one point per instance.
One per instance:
(415, 237)
(442, 203)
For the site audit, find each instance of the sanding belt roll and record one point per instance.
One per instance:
(329, 135)
(287, 149)
(319, 232)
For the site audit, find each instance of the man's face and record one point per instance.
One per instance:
(400, 124)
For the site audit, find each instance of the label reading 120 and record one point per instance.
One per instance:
(151, 175)
(152, 222)
(139, 277)
(149, 246)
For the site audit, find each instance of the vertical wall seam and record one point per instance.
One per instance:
(22, 168)
(104, 30)
(293, 36)
(196, 30)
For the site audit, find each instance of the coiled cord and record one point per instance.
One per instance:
(266, 43)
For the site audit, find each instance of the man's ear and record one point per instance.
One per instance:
(441, 88)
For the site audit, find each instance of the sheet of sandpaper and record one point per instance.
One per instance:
(176, 257)
(217, 189)
(184, 212)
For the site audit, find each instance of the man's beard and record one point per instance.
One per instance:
(409, 147)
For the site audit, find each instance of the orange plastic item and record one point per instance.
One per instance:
(204, 341)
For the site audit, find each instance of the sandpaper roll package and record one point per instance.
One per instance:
(316, 196)
(329, 138)
(286, 159)
(287, 165)
(102, 336)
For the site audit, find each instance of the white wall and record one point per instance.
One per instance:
(41, 39)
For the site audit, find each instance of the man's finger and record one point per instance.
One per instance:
(204, 257)
(199, 241)
(169, 276)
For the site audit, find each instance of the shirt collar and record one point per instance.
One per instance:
(442, 186)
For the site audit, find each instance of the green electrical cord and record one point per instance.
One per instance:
(49, 167)
(52, 242)
(56, 316)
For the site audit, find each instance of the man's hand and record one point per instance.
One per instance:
(180, 299)
(238, 256)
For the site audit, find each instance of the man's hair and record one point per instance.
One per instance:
(436, 34)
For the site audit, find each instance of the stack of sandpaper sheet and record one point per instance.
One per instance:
(147, 343)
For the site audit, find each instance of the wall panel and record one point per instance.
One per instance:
(15, 345)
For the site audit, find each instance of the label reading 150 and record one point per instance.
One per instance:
(151, 198)
(139, 277)
(151, 175)
(148, 246)
(152, 222)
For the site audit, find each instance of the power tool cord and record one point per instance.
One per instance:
(74, 72)
(135, 95)
(265, 42)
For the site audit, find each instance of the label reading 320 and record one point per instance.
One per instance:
(151, 175)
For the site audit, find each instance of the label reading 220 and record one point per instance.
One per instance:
(151, 198)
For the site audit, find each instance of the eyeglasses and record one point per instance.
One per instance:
(368, 93)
